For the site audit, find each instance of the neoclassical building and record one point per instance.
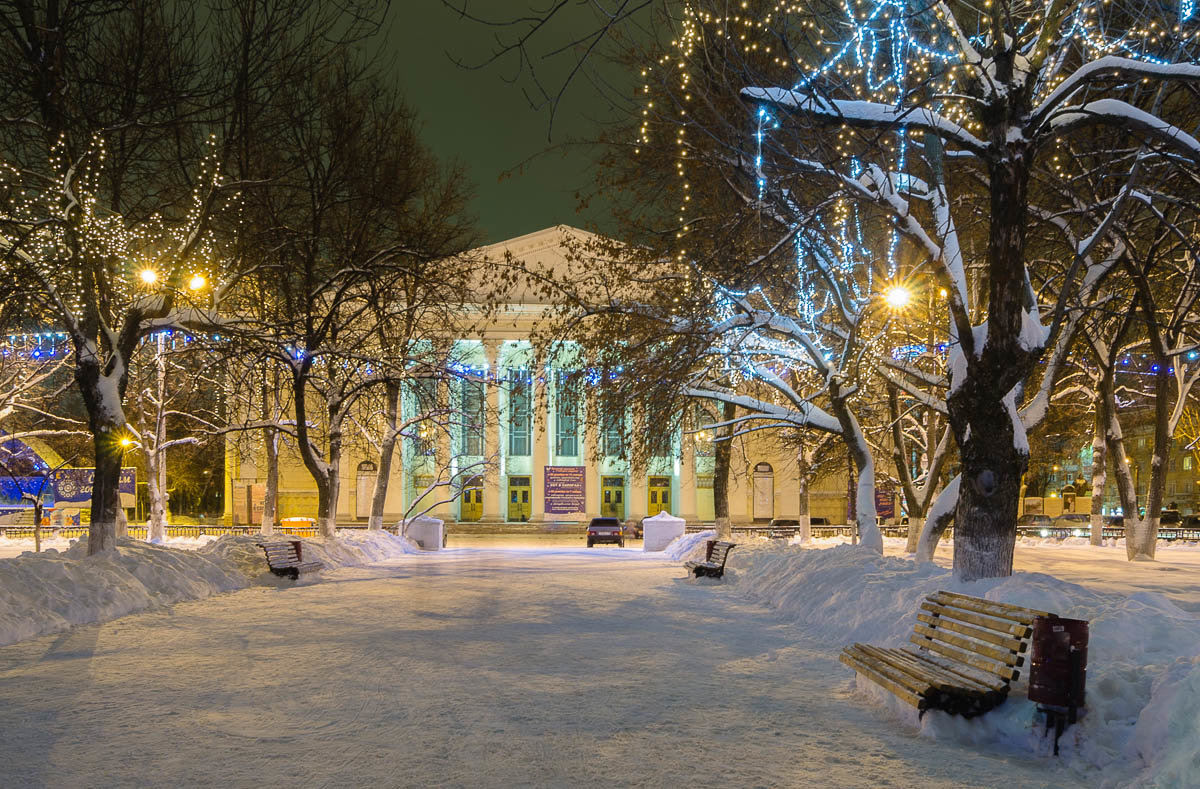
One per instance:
(551, 465)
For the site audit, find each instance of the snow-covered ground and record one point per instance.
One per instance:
(535, 660)
(51, 591)
(1142, 725)
(550, 666)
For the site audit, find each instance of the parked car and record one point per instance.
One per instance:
(605, 530)
(782, 528)
(1169, 517)
(1077, 524)
(818, 521)
(1033, 522)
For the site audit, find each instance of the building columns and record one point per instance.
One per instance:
(591, 456)
(443, 455)
(638, 487)
(541, 452)
(687, 478)
(493, 494)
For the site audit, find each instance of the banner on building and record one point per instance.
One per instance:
(885, 503)
(73, 487)
(566, 490)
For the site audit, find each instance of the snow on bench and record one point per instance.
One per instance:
(286, 559)
(714, 565)
(969, 652)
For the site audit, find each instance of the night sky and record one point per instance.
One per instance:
(488, 125)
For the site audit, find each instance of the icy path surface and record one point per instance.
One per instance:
(477, 667)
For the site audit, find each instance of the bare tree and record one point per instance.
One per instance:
(357, 228)
(111, 168)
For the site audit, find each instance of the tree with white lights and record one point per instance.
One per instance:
(942, 116)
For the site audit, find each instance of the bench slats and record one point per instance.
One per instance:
(999, 610)
(943, 691)
(979, 634)
(1014, 629)
(999, 669)
(969, 673)
(968, 653)
(938, 676)
(920, 680)
(1005, 656)
(284, 559)
(904, 694)
(714, 566)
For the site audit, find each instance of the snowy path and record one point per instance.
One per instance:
(559, 667)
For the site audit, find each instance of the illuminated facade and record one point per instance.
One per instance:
(550, 463)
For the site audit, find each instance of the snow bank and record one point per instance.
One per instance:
(15, 546)
(51, 591)
(688, 546)
(1142, 723)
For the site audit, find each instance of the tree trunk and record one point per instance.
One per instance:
(325, 473)
(861, 461)
(156, 524)
(915, 503)
(327, 499)
(916, 525)
(271, 486)
(723, 451)
(333, 483)
(1126, 490)
(1099, 467)
(106, 420)
(985, 519)
(993, 447)
(937, 519)
(803, 505)
(387, 450)
(1141, 544)
(156, 457)
(106, 497)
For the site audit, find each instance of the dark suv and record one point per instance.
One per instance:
(782, 528)
(605, 530)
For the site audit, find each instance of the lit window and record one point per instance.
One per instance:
(520, 413)
(566, 414)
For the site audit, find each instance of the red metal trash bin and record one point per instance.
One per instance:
(1058, 669)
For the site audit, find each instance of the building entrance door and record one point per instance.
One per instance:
(612, 497)
(364, 489)
(764, 492)
(471, 509)
(519, 493)
(660, 495)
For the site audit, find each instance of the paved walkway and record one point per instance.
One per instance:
(480, 667)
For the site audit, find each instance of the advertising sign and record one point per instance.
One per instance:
(885, 503)
(565, 490)
(73, 486)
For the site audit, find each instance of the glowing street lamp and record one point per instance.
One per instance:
(197, 282)
(897, 297)
(149, 276)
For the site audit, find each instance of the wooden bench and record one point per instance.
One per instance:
(968, 653)
(713, 566)
(286, 559)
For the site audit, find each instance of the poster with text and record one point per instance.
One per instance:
(565, 490)
(73, 486)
